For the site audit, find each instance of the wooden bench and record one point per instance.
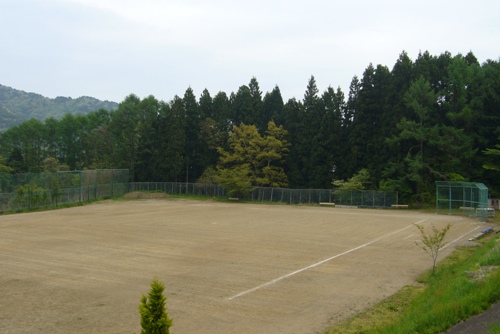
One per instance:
(233, 199)
(399, 206)
(466, 208)
(327, 203)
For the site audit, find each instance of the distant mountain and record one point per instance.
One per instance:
(17, 106)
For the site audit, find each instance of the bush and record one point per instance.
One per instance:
(154, 317)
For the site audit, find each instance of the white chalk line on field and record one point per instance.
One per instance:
(319, 263)
(460, 237)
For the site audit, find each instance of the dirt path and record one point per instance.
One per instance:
(227, 267)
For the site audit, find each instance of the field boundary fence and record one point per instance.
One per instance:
(357, 198)
(30, 191)
(45, 190)
(178, 188)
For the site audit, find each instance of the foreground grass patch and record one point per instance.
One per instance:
(465, 284)
(386, 312)
(494, 329)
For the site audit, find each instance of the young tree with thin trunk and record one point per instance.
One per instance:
(433, 242)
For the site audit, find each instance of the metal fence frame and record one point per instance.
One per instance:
(44, 190)
(39, 190)
(177, 188)
(357, 198)
(462, 198)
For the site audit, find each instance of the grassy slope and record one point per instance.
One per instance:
(465, 284)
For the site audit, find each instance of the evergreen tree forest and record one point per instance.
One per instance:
(428, 119)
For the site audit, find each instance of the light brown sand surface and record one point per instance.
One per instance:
(227, 267)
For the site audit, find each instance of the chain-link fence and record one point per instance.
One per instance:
(463, 198)
(38, 190)
(366, 198)
(357, 198)
(31, 191)
(290, 196)
(177, 188)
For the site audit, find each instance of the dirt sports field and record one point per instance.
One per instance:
(227, 267)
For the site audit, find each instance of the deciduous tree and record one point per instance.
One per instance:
(255, 159)
(433, 241)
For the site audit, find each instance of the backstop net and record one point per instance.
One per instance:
(38, 190)
(463, 198)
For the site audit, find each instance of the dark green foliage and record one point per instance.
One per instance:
(170, 146)
(125, 129)
(154, 317)
(195, 150)
(148, 139)
(3, 168)
(272, 107)
(253, 159)
(435, 118)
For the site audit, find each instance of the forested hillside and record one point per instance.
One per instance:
(433, 118)
(17, 106)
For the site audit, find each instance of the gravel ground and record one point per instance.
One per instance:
(227, 267)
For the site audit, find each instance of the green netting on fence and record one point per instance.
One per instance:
(464, 198)
(37, 190)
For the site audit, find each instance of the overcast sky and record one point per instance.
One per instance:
(111, 48)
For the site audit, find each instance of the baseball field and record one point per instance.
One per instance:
(227, 267)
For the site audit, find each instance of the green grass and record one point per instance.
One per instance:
(196, 197)
(465, 284)
(59, 206)
(494, 329)
(43, 208)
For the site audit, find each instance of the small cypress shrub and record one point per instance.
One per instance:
(154, 317)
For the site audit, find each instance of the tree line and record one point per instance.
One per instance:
(432, 118)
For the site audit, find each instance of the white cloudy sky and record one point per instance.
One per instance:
(111, 48)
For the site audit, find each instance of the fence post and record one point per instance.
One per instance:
(29, 191)
(81, 190)
(449, 199)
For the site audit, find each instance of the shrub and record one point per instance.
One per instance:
(154, 317)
